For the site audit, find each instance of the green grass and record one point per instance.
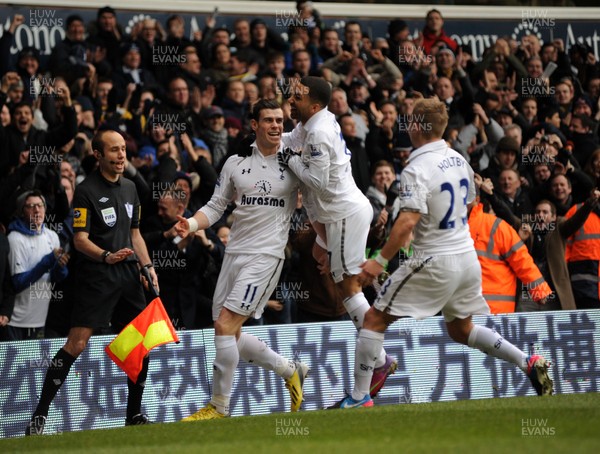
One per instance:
(491, 425)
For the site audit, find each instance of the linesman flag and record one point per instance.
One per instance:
(151, 328)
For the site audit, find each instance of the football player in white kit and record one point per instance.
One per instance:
(435, 189)
(265, 195)
(338, 210)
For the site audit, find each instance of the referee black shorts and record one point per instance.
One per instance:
(104, 294)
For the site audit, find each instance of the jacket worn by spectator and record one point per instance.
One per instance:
(460, 106)
(482, 160)
(430, 38)
(34, 268)
(68, 60)
(504, 259)
(549, 248)
(360, 162)
(13, 142)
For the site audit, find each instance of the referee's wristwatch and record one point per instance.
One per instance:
(105, 255)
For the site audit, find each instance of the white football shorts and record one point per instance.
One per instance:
(347, 243)
(422, 287)
(246, 283)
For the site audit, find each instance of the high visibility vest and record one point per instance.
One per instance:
(503, 258)
(583, 254)
(584, 245)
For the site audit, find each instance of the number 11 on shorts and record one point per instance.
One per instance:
(250, 291)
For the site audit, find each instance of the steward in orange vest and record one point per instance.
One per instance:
(583, 255)
(504, 259)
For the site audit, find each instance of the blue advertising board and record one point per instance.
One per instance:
(431, 368)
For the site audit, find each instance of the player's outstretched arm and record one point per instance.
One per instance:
(198, 221)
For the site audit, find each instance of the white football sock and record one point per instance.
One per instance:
(253, 350)
(226, 361)
(494, 344)
(368, 347)
(357, 306)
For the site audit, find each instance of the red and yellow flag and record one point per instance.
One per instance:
(151, 328)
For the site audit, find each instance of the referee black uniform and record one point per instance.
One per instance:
(104, 293)
(106, 290)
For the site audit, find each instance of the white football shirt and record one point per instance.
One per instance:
(438, 183)
(265, 195)
(323, 167)
(26, 251)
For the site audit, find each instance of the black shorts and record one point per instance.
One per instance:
(104, 294)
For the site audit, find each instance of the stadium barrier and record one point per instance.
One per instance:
(431, 368)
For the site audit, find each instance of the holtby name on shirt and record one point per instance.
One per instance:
(451, 161)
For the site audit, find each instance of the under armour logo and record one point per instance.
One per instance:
(245, 306)
(245, 171)
(282, 176)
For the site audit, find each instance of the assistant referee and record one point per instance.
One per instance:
(108, 287)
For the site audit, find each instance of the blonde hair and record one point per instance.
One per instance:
(430, 118)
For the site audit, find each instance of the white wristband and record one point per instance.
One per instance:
(193, 224)
(381, 260)
(320, 242)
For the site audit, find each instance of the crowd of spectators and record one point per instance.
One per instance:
(525, 116)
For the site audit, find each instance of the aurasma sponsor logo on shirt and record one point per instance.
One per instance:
(265, 201)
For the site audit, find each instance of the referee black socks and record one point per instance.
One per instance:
(55, 376)
(134, 399)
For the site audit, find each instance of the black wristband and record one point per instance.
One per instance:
(105, 255)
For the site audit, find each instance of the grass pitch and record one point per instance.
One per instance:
(562, 423)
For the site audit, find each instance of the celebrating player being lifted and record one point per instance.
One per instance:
(435, 189)
(339, 211)
(265, 195)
